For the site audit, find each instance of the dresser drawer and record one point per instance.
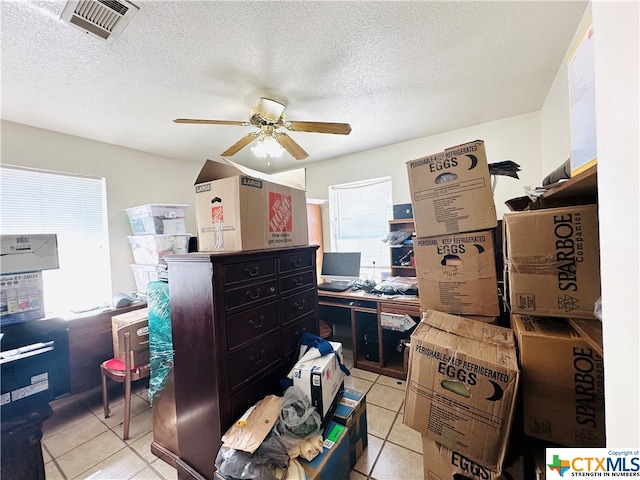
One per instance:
(252, 360)
(295, 262)
(298, 280)
(241, 272)
(248, 396)
(248, 294)
(251, 324)
(299, 304)
(292, 333)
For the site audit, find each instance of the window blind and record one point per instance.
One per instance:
(74, 208)
(360, 214)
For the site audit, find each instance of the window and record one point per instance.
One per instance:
(74, 208)
(360, 214)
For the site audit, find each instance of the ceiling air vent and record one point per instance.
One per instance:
(105, 19)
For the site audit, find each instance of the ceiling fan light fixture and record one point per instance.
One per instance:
(267, 147)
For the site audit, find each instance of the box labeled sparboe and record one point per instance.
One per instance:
(240, 209)
(562, 383)
(122, 320)
(451, 191)
(462, 385)
(552, 261)
(457, 273)
(320, 378)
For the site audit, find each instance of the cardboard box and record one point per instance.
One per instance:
(21, 298)
(333, 462)
(462, 385)
(442, 463)
(562, 383)
(397, 322)
(352, 413)
(122, 320)
(451, 191)
(321, 379)
(457, 273)
(155, 218)
(28, 253)
(240, 209)
(552, 261)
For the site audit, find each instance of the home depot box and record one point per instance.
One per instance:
(241, 209)
(451, 191)
(122, 320)
(320, 378)
(457, 273)
(552, 261)
(462, 385)
(21, 298)
(562, 383)
(28, 253)
(333, 462)
(352, 413)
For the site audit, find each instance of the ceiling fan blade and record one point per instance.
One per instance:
(291, 146)
(319, 127)
(240, 144)
(211, 122)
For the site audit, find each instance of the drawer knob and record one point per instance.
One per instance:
(253, 296)
(254, 272)
(297, 262)
(300, 305)
(298, 281)
(257, 325)
(253, 358)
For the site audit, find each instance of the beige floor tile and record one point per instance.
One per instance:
(89, 454)
(387, 397)
(396, 463)
(356, 476)
(123, 465)
(142, 445)
(147, 474)
(139, 426)
(392, 382)
(67, 440)
(369, 456)
(166, 470)
(51, 472)
(65, 416)
(404, 436)
(364, 374)
(379, 421)
(117, 411)
(358, 384)
(46, 458)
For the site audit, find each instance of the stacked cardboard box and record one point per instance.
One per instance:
(552, 278)
(461, 392)
(454, 214)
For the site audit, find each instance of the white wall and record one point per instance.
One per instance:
(515, 138)
(617, 50)
(132, 177)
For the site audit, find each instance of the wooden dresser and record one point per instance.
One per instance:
(236, 320)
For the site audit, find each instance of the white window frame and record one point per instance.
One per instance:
(365, 207)
(74, 207)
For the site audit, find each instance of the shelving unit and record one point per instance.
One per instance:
(402, 253)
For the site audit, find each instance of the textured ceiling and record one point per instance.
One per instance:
(394, 70)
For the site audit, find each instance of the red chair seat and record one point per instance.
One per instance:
(117, 365)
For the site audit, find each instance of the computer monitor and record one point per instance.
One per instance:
(340, 266)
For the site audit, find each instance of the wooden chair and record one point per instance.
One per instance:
(133, 340)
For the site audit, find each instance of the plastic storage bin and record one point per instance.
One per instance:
(149, 249)
(144, 274)
(158, 219)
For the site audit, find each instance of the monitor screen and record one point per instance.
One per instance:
(341, 265)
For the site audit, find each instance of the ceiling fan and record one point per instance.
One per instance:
(268, 116)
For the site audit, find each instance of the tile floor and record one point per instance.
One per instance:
(79, 443)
